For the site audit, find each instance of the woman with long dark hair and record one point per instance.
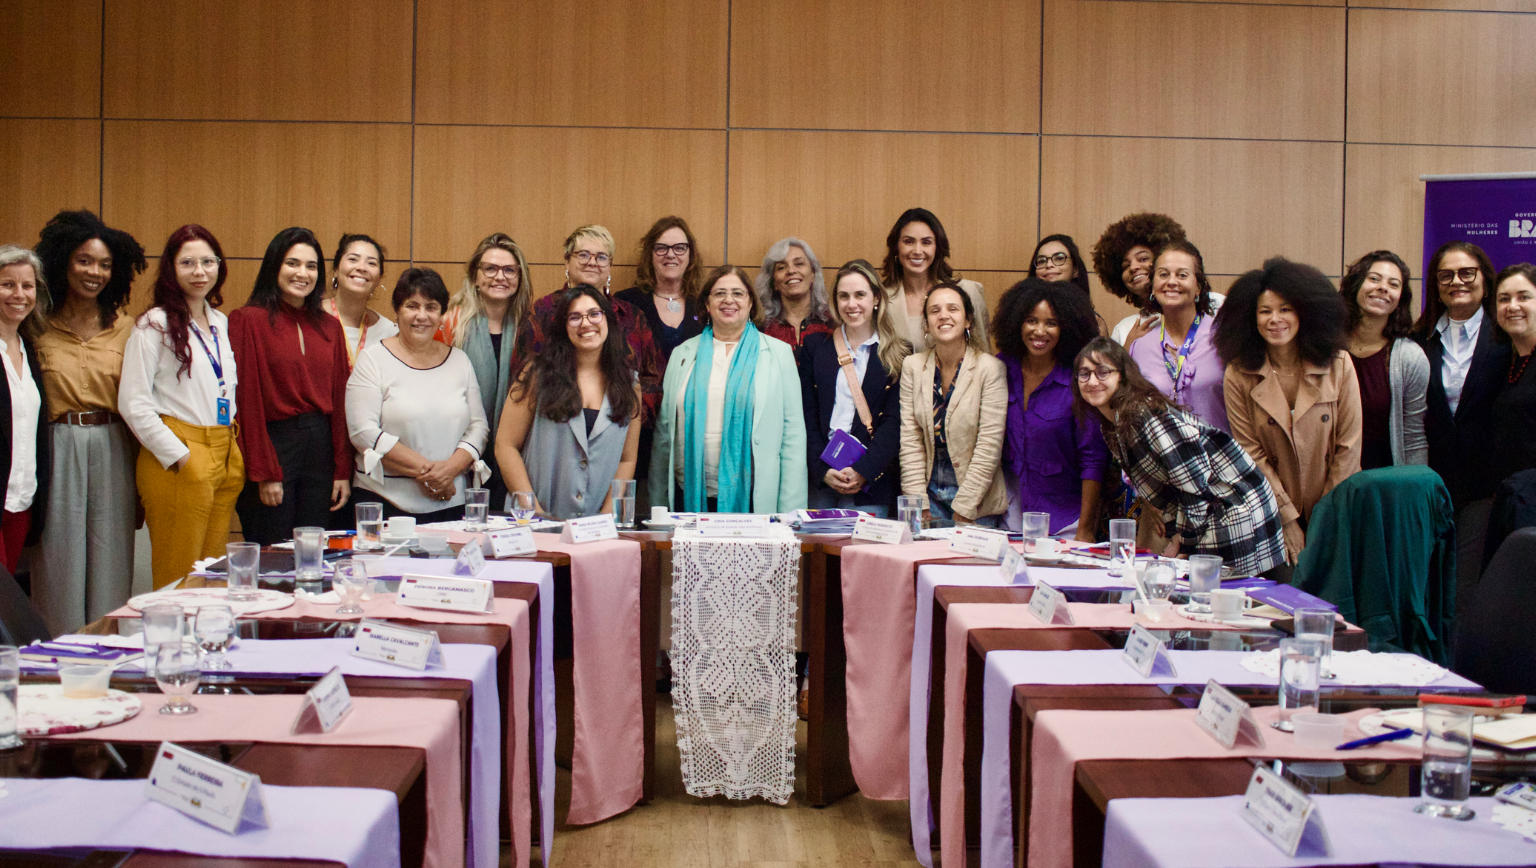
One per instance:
(1056, 258)
(916, 261)
(571, 422)
(293, 430)
(356, 274)
(1392, 369)
(178, 398)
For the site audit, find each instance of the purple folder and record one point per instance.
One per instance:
(1289, 598)
(842, 450)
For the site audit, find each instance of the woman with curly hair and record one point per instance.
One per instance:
(1123, 260)
(1292, 395)
(916, 261)
(1054, 461)
(85, 567)
(1178, 355)
(1393, 370)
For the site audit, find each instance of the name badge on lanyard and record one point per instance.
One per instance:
(1176, 366)
(221, 405)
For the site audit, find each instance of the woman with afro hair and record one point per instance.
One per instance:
(1123, 259)
(85, 567)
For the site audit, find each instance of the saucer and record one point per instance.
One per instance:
(1044, 559)
(661, 524)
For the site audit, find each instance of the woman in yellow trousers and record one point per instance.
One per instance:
(178, 397)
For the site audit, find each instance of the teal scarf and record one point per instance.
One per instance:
(734, 476)
(492, 373)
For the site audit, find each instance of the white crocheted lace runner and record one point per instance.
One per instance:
(733, 663)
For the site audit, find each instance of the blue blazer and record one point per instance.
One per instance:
(819, 375)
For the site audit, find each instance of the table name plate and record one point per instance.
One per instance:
(401, 646)
(590, 528)
(470, 562)
(1226, 718)
(1050, 605)
(733, 525)
(1284, 815)
(507, 542)
(445, 593)
(1012, 566)
(1144, 652)
(324, 705)
(882, 530)
(979, 543)
(205, 790)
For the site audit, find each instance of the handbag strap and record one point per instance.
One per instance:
(845, 361)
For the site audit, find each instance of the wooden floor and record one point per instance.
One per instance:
(679, 830)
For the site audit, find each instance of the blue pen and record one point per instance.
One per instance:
(1394, 735)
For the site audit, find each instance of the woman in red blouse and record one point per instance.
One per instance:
(293, 368)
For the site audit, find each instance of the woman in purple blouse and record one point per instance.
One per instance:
(1054, 461)
(1178, 356)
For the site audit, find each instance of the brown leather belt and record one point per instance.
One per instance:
(94, 417)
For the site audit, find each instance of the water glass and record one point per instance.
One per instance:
(477, 506)
(1035, 526)
(308, 552)
(909, 509)
(177, 672)
(163, 622)
(1160, 579)
(622, 494)
(1445, 778)
(244, 568)
(10, 683)
(1122, 546)
(214, 627)
(522, 506)
(1317, 624)
(1299, 690)
(1204, 577)
(350, 581)
(370, 527)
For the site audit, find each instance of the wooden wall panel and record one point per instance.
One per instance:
(841, 192)
(1442, 78)
(46, 166)
(259, 60)
(964, 65)
(1240, 201)
(52, 67)
(592, 63)
(1459, 5)
(1179, 69)
(246, 181)
(537, 184)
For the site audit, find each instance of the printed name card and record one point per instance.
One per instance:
(470, 562)
(324, 705)
(1012, 566)
(733, 525)
(205, 790)
(508, 542)
(979, 543)
(1225, 717)
(402, 646)
(1049, 605)
(1146, 653)
(445, 593)
(1284, 815)
(882, 530)
(590, 528)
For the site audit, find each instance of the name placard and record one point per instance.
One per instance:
(1049, 605)
(1012, 566)
(402, 646)
(470, 562)
(590, 528)
(324, 705)
(205, 790)
(1146, 653)
(979, 543)
(882, 530)
(507, 542)
(733, 525)
(445, 593)
(1284, 815)
(1225, 718)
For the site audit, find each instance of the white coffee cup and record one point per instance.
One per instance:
(659, 513)
(1227, 604)
(1047, 547)
(400, 527)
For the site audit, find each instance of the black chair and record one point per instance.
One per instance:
(20, 623)
(1514, 507)
(1494, 630)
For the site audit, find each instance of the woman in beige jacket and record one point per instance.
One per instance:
(954, 408)
(1293, 399)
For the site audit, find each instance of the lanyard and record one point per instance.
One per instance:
(362, 332)
(213, 355)
(1174, 370)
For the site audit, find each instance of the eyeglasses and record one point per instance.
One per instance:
(676, 249)
(491, 271)
(584, 257)
(1103, 374)
(1445, 276)
(594, 316)
(209, 264)
(1053, 259)
(732, 294)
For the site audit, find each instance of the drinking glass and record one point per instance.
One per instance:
(1317, 624)
(370, 527)
(1299, 688)
(214, 627)
(163, 622)
(177, 673)
(1160, 578)
(10, 682)
(1035, 525)
(1445, 778)
(477, 505)
(522, 507)
(622, 492)
(909, 509)
(244, 566)
(308, 551)
(1204, 577)
(1122, 546)
(350, 580)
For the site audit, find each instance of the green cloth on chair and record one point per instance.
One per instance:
(1382, 547)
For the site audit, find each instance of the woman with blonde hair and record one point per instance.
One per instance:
(25, 457)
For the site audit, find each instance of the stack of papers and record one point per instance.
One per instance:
(828, 521)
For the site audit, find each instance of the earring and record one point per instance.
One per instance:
(927, 339)
(567, 277)
(608, 284)
(967, 335)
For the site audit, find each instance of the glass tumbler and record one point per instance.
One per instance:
(1035, 526)
(244, 570)
(1299, 690)
(909, 509)
(163, 622)
(1317, 624)
(1445, 777)
(621, 493)
(1204, 577)
(477, 506)
(177, 672)
(214, 627)
(370, 527)
(1122, 546)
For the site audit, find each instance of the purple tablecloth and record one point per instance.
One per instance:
(1362, 830)
(358, 827)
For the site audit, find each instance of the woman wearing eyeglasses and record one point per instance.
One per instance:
(569, 427)
(1056, 259)
(667, 285)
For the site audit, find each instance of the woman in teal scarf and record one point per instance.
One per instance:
(731, 427)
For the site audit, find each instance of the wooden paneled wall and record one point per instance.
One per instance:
(1297, 127)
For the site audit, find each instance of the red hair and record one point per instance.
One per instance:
(170, 298)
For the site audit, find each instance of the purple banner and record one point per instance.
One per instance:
(1495, 212)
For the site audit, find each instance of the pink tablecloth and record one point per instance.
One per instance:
(1064, 738)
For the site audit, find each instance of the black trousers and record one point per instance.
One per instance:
(304, 452)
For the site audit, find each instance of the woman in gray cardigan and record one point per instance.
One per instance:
(1392, 368)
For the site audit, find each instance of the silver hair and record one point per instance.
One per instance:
(773, 309)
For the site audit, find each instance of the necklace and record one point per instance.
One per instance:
(674, 302)
(1517, 367)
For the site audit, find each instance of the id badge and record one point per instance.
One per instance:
(223, 405)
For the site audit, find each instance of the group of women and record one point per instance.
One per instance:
(1218, 422)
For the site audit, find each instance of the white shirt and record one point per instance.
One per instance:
(433, 411)
(152, 386)
(380, 330)
(843, 410)
(1122, 329)
(1458, 341)
(26, 406)
(714, 418)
